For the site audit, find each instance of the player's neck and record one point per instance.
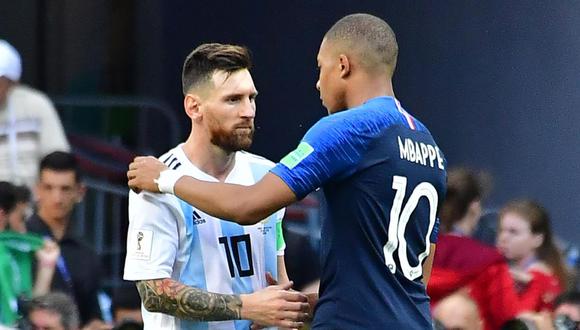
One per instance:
(209, 158)
(364, 87)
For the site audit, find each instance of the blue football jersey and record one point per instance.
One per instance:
(383, 178)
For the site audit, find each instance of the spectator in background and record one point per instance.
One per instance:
(525, 239)
(29, 125)
(567, 309)
(17, 252)
(78, 272)
(461, 210)
(458, 311)
(462, 262)
(54, 311)
(126, 308)
(566, 316)
(21, 212)
(7, 203)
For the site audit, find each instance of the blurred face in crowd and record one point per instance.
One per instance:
(18, 216)
(3, 219)
(515, 239)
(57, 193)
(42, 319)
(329, 84)
(456, 312)
(570, 310)
(227, 108)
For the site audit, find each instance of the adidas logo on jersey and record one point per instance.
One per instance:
(197, 219)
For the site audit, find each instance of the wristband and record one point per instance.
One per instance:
(166, 181)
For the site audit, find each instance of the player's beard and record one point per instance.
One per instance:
(236, 139)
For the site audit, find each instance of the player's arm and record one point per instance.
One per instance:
(245, 205)
(312, 297)
(174, 298)
(428, 265)
(272, 306)
(330, 149)
(242, 204)
(152, 247)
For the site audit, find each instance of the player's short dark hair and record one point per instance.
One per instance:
(59, 303)
(204, 60)
(7, 196)
(370, 37)
(60, 161)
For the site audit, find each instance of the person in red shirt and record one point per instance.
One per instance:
(463, 264)
(536, 265)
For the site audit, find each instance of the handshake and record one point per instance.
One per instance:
(277, 305)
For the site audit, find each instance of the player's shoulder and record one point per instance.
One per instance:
(146, 199)
(253, 159)
(374, 114)
(174, 157)
(360, 122)
(157, 198)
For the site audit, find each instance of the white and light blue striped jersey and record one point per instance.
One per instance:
(168, 238)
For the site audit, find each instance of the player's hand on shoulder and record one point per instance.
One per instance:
(277, 306)
(142, 173)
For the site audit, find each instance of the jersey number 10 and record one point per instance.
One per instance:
(235, 254)
(398, 223)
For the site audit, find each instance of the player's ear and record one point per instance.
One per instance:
(191, 104)
(344, 64)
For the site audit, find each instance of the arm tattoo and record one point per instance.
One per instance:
(171, 297)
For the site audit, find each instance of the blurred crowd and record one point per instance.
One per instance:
(503, 270)
(49, 278)
(522, 279)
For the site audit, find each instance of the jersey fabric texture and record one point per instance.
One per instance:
(169, 238)
(383, 178)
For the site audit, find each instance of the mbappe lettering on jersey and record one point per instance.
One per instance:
(420, 153)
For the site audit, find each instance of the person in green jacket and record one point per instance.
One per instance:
(18, 251)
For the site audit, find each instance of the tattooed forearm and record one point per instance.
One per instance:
(171, 297)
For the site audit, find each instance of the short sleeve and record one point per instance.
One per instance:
(152, 238)
(330, 150)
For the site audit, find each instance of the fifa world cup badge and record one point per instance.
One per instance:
(140, 245)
